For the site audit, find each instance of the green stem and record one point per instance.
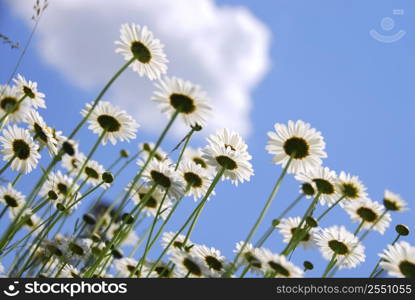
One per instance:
(270, 230)
(298, 233)
(375, 269)
(330, 208)
(16, 179)
(7, 164)
(330, 265)
(98, 98)
(260, 218)
(141, 262)
(190, 218)
(186, 142)
(11, 109)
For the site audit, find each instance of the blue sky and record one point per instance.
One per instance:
(326, 70)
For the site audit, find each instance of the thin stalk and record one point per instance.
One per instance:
(330, 208)
(270, 230)
(260, 217)
(7, 165)
(190, 218)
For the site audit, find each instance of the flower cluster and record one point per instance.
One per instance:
(96, 243)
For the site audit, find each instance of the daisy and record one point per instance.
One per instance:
(394, 201)
(399, 260)
(29, 88)
(196, 155)
(116, 123)
(42, 133)
(73, 163)
(211, 258)
(189, 265)
(195, 178)
(236, 163)
(162, 174)
(69, 147)
(181, 96)
(9, 104)
(162, 270)
(297, 140)
(138, 42)
(58, 189)
(351, 187)
(324, 181)
(336, 240)
(19, 146)
(307, 190)
(69, 271)
(279, 266)
(77, 248)
(130, 239)
(1, 269)
(251, 256)
(287, 228)
(369, 212)
(11, 198)
(125, 266)
(145, 150)
(177, 245)
(151, 206)
(33, 222)
(93, 172)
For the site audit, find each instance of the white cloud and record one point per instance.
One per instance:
(223, 48)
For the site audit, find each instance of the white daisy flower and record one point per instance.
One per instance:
(73, 163)
(131, 239)
(77, 249)
(69, 147)
(308, 190)
(211, 258)
(177, 245)
(251, 256)
(69, 271)
(399, 260)
(1, 269)
(12, 198)
(92, 173)
(196, 155)
(178, 95)
(162, 270)
(138, 42)
(287, 228)
(324, 181)
(279, 266)
(351, 187)
(117, 124)
(29, 88)
(33, 222)
(394, 201)
(336, 240)
(18, 145)
(41, 132)
(305, 144)
(58, 189)
(368, 211)
(145, 150)
(9, 104)
(189, 265)
(151, 206)
(196, 179)
(125, 266)
(221, 155)
(165, 177)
